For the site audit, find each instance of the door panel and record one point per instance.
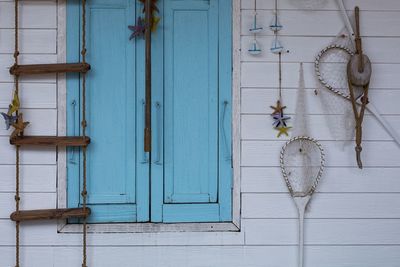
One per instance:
(112, 169)
(192, 108)
(191, 102)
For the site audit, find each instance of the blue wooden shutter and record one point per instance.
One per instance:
(194, 183)
(117, 177)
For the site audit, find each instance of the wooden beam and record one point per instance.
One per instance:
(49, 68)
(51, 141)
(50, 214)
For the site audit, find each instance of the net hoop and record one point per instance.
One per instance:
(318, 72)
(320, 171)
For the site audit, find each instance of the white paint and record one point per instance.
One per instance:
(354, 218)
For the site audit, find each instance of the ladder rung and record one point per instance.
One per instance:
(49, 68)
(50, 140)
(50, 214)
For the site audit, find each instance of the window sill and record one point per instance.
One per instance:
(63, 227)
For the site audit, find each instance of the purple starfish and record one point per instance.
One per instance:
(138, 29)
(280, 120)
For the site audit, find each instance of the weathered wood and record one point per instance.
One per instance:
(51, 140)
(50, 214)
(49, 68)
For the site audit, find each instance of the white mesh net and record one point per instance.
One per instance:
(301, 158)
(332, 66)
(302, 163)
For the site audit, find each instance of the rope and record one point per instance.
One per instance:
(84, 125)
(17, 200)
(280, 77)
(17, 174)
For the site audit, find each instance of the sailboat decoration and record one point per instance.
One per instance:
(254, 46)
(276, 26)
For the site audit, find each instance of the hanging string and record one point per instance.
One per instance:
(17, 183)
(280, 76)
(84, 125)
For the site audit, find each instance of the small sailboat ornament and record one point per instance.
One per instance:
(255, 28)
(275, 25)
(254, 48)
(276, 46)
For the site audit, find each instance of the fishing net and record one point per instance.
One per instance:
(331, 71)
(302, 162)
(301, 157)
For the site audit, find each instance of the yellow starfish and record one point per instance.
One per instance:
(19, 126)
(154, 25)
(14, 107)
(278, 108)
(283, 130)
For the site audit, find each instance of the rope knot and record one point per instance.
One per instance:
(84, 123)
(17, 198)
(358, 149)
(84, 193)
(83, 52)
(16, 54)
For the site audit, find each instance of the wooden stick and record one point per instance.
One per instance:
(49, 68)
(67, 141)
(50, 214)
(147, 130)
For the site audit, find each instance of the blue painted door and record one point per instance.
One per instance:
(191, 170)
(117, 170)
(187, 177)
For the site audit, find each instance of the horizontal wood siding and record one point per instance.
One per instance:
(354, 218)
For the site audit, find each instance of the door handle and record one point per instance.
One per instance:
(72, 154)
(228, 155)
(158, 141)
(145, 158)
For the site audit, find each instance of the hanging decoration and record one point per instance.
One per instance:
(331, 68)
(276, 26)
(279, 118)
(138, 30)
(9, 117)
(19, 126)
(255, 29)
(12, 118)
(359, 74)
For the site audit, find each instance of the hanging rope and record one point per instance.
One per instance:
(17, 186)
(84, 125)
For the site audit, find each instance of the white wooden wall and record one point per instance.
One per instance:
(354, 218)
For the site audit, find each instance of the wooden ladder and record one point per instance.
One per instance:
(19, 139)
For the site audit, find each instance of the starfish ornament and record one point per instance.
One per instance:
(14, 106)
(278, 108)
(9, 119)
(19, 126)
(154, 25)
(280, 120)
(138, 29)
(283, 130)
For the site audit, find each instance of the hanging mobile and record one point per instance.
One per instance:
(255, 47)
(280, 120)
(276, 26)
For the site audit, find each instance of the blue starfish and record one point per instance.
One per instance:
(280, 120)
(138, 29)
(9, 119)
